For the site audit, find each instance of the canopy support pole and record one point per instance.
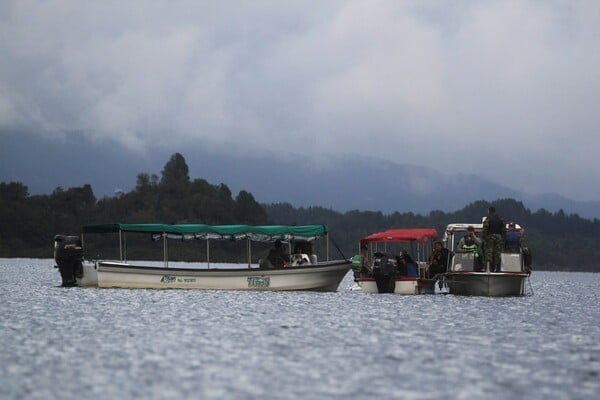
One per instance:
(125, 246)
(121, 245)
(165, 250)
(249, 252)
(207, 254)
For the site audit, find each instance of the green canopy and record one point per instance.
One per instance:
(265, 233)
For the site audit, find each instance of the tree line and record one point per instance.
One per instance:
(558, 241)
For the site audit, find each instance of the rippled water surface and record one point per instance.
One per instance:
(116, 343)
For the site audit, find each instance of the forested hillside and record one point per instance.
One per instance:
(557, 241)
(28, 223)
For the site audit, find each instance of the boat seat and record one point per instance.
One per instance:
(463, 262)
(511, 262)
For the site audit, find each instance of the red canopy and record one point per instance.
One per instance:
(402, 235)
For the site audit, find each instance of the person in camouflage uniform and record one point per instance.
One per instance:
(494, 236)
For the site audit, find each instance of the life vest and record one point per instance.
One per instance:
(356, 263)
(512, 240)
(471, 248)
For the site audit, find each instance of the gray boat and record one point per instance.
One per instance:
(465, 277)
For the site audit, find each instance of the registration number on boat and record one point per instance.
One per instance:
(168, 278)
(259, 281)
(173, 279)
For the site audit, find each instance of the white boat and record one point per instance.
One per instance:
(464, 277)
(303, 272)
(381, 273)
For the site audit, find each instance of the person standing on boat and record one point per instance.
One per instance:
(360, 263)
(514, 239)
(494, 236)
(471, 244)
(515, 243)
(277, 255)
(438, 262)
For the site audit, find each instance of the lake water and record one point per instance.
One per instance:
(90, 343)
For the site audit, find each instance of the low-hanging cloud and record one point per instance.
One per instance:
(506, 89)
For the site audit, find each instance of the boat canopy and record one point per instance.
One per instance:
(402, 235)
(263, 233)
(452, 229)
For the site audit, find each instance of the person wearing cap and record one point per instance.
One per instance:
(514, 239)
(515, 243)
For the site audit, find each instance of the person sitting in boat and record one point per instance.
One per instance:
(302, 253)
(277, 255)
(471, 244)
(438, 262)
(406, 265)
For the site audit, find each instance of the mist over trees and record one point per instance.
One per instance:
(28, 223)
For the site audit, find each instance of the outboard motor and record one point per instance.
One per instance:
(383, 272)
(68, 254)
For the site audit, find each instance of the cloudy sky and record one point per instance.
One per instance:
(506, 89)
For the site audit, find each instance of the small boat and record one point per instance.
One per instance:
(466, 277)
(302, 272)
(382, 273)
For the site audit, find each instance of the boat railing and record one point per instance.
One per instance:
(465, 262)
(423, 268)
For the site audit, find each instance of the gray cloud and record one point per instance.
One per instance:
(506, 89)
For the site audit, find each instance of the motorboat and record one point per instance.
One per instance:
(467, 276)
(383, 272)
(303, 271)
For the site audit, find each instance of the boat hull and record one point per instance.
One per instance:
(494, 284)
(324, 277)
(90, 275)
(401, 285)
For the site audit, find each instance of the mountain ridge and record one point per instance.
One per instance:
(340, 182)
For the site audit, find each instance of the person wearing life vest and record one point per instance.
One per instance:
(515, 243)
(494, 236)
(514, 239)
(360, 263)
(471, 244)
(356, 266)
